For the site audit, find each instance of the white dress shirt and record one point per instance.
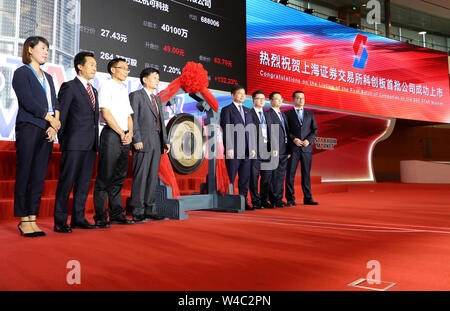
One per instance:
(114, 97)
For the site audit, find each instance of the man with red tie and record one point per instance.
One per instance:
(149, 142)
(78, 139)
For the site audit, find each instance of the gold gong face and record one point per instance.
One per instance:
(187, 144)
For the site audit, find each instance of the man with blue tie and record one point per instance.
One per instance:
(303, 130)
(78, 138)
(237, 141)
(278, 130)
(257, 113)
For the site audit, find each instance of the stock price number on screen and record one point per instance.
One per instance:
(175, 30)
(226, 80)
(173, 50)
(172, 69)
(106, 55)
(114, 35)
(210, 21)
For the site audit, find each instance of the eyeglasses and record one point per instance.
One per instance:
(123, 68)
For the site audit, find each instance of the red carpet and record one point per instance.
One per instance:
(404, 227)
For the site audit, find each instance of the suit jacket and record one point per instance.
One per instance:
(79, 122)
(33, 105)
(231, 115)
(259, 139)
(306, 130)
(145, 123)
(273, 119)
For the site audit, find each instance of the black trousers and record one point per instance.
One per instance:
(75, 172)
(305, 159)
(33, 152)
(112, 169)
(255, 167)
(277, 180)
(241, 167)
(272, 181)
(145, 180)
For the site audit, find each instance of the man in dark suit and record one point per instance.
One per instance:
(303, 130)
(237, 142)
(149, 142)
(259, 120)
(278, 138)
(78, 139)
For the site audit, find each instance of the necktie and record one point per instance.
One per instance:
(91, 95)
(158, 122)
(261, 117)
(241, 111)
(263, 126)
(284, 128)
(282, 120)
(300, 115)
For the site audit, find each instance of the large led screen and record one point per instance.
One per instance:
(341, 67)
(166, 34)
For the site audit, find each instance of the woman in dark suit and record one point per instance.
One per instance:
(37, 123)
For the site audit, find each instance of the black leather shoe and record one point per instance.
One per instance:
(280, 204)
(102, 224)
(291, 203)
(62, 229)
(249, 208)
(258, 206)
(82, 225)
(155, 217)
(139, 220)
(310, 202)
(267, 205)
(121, 221)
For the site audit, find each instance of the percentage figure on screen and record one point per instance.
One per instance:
(224, 62)
(114, 35)
(175, 30)
(226, 80)
(172, 69)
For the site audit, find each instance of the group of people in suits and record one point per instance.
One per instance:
(135, 121)
(132, 120)
(254, 137)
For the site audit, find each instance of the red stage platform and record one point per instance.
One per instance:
(406, 228)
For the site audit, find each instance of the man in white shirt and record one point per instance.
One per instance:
(114, 151)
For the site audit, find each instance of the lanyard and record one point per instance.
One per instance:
(43, 83)
(44, 86)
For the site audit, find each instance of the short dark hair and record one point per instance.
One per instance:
(80, 59)
(31, 42)
(298, 91)
(237, 88)
(146, 72)
(113, 62)
(256, 93)
(272, 94)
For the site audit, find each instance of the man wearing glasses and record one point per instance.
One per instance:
(114, 151)
(259, 118)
